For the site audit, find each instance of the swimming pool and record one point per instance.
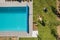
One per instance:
(14, 19)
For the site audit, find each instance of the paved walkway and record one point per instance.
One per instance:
(8, 38)
(58, 18)
(58, 5)
(58, 30)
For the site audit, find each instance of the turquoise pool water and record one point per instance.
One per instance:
(14, 19)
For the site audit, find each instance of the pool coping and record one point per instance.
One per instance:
(21, 34)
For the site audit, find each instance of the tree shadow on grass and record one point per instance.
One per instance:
(39, 38)
(53, 32)
(42, 23)
(55, 11)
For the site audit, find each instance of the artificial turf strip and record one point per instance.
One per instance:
(28, 39)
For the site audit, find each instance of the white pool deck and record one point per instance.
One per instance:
(20, 34)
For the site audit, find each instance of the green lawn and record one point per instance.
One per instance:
(47, 32)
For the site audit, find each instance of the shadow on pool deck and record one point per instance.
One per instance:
(24, 0)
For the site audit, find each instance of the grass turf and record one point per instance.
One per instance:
(49, 17)
(45, 32)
